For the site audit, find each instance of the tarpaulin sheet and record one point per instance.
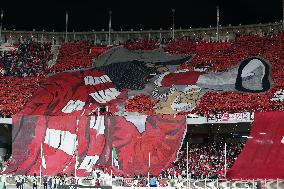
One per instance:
(262, 156)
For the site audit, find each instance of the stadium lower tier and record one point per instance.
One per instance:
(129, 145)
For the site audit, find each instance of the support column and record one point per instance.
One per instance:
(66, 27)
(1, 24)
(109, 27)
(282, 14)
(173, 34)
(218, 18)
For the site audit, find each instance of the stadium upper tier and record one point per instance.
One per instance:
(20, 78)
(162, 34)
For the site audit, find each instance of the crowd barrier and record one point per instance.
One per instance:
(170, 183)
(197, 184)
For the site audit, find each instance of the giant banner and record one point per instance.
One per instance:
(262, 156)
(144, 107)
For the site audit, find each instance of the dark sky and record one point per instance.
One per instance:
(85, 15)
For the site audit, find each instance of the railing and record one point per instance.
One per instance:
(212, 183)
(208, 34)
(120, 182)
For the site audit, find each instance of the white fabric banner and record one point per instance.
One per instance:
(63, 140)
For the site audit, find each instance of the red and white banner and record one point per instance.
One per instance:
(220, 118)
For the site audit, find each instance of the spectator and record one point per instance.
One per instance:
(23, 181)
(18, 182)
(153, 182)
(97, 182)
(73, 180)
(50, 182)
(45, 180)
(29, 59)
(34, 181)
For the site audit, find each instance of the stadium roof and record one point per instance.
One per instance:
(86, 15)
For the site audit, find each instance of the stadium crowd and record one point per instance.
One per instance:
(205, 160)
(141, 44)
(16, 92)
(244, 46)
(29, 58)
(29, 61)
(72, 56)
(25, 67)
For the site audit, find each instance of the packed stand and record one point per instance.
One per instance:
(220, 56)
(212, 46)
(23, 68)
(74, 55)
(205, 161)
(16, 93)
(28, 59)
(80, 55)
(141, 45)
(181, 46)
(245, 46)
(282, 45)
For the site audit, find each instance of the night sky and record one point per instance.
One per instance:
(86, 15)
